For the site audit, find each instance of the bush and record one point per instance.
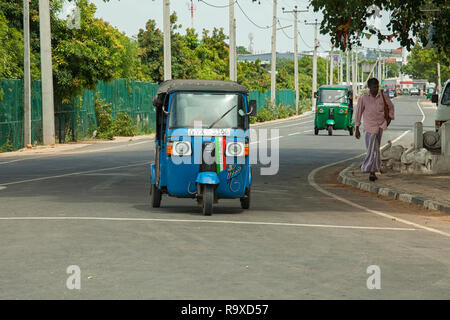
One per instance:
(105, 128)
(7, 146)
(123, 126)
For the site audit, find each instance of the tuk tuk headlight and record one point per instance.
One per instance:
(341, 111)
(321, 110)
(181, 148)
(235, 149)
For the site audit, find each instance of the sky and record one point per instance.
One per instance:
(131, 15)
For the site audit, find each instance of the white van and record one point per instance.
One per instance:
(443, 105)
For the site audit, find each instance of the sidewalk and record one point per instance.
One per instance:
(429, 191)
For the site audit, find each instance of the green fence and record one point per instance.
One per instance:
(76, 120)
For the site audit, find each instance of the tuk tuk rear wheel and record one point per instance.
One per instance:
(155, 196)
(330, 130)
(316, 131)
(208, 199)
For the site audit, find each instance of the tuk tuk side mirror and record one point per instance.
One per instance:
(434, 98)
(315, 95)
(253, 108)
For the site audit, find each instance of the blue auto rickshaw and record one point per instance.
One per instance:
(202, 142)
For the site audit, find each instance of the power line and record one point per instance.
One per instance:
(248, 18)
(282, 29)
(304, 41)
(214, 5)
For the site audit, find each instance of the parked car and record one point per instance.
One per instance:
(443, 105)
(414, 92)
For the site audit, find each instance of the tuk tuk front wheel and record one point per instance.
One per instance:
(208, 199)
(316, 131)
(330, 130)
(245, 201)
(155, 196)
(350, 130)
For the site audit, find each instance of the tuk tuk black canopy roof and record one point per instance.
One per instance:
(170, 86)
(336, 86)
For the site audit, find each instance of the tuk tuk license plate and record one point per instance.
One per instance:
(209, 132)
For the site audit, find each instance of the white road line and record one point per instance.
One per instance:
(64, 153)
(210, 221)
(73, 174)
(312, 182)
(296, 124)
(420, 108)
(295, 133)
(2, 188)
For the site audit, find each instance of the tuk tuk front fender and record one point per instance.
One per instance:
(207, 177)
(330, 122)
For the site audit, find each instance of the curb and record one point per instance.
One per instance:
(303, 115)
(345, 177)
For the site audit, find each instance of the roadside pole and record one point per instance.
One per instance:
(379, 67)
(26, 74)
(438, 84)
(273, 63)
(331, 65)
(326, 69)
(354, 73)
(295, 12)
(232, 54)
(347, 68)
(48, 109)
(314, 70)
(167, 44)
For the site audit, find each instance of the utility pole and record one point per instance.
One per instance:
(295, 12)
(273, 63)
(379, 67)
(314, 70)
(326, 69)
(167, 44)
(341, 69)
(331, 65)
(232, 56)
(438, 84)
(354, 73)
(347, 68)
(48, 109)
(26, 74)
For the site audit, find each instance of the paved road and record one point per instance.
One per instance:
(298, 241)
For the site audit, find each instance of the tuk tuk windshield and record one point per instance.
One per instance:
(186, 108)
(333, 96)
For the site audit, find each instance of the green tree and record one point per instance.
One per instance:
(422, 64)
(408, 19)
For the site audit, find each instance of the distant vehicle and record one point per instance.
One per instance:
(334, 109)
(429, 92)
(405, 91)
(399, 91)
(414, 92)
(391, 94)
(443, 105)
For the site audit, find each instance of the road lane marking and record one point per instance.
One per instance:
(211, 221)
(420, 108)
(64, 153)
(2, 187)
(74, 174)
(312, 182)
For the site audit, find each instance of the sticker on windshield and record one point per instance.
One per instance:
(213, 132)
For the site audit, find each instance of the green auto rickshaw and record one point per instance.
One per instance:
(334, 109)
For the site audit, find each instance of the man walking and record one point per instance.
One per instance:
(377, 110)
